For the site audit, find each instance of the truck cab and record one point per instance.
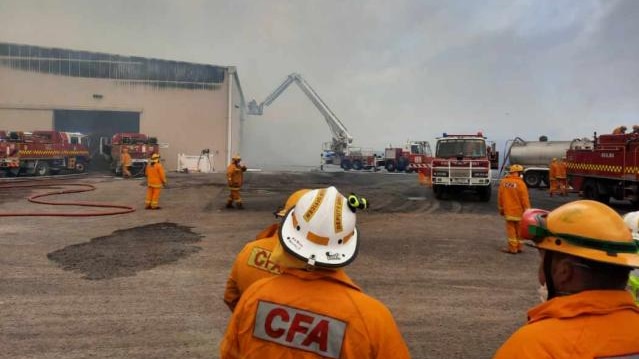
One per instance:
(461, 163)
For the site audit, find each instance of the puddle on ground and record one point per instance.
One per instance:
(128, 251)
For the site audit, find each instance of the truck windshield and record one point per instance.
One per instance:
(463, 147)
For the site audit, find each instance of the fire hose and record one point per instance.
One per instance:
(117, 209)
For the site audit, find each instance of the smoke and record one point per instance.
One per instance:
(391, 71)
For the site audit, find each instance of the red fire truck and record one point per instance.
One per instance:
(463, 162)
(609, 168)
(414, 156)
(140, 147)
(42, 153)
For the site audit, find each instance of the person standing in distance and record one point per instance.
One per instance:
(156, 179)
(512, 201)
(313, 310)
(235, 179)
(127, 162)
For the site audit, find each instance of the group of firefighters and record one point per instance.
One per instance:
(622, 130)
(156, 179)
(291, 298)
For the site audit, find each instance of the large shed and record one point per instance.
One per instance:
(189, 107)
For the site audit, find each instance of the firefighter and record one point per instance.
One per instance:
(553, 169)
(313, 309)
(619, 130)
(561, 176)
(586, 253)
(513, 200)
(254, 261)
(156, 179)
(126, 161)
(235, 178)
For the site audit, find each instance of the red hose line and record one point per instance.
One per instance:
(120, 209)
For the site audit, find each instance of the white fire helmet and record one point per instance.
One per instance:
(632, 221)
(320, 229)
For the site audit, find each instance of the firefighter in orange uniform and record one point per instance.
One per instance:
(586, 253)
(235, 178)
(513, 200)
(127, 162)
(619, 130)
(254, 261)
(562, 177)
(553, 169)
(313, 310)
(156, 179)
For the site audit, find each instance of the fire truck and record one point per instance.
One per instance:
(140, 147)
(463, 162)
(607, 169)
(42, 153)
(413, 156)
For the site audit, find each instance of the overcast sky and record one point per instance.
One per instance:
(390, 70)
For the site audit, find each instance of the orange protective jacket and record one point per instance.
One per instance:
(251, 264)
(512, 197)
(591, 324)
(125, 159)
(235, 176)
(155, 176)
(318, 314)
(561, 172)
(553, 169)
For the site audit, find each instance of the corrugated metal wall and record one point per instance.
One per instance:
(129, 69)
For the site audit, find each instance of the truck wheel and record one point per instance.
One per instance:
(357, 165)
(591, 191)
(532, 179)
(42, 169)
(80, 167)
(438, 191)
(346, 165)
(484, 193)
(390, 166)
(402, 164)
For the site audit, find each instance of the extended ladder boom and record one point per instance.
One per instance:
(341, 137)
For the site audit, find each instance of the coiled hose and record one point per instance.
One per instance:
(118, 209)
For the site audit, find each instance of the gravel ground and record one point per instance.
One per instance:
(149, 284)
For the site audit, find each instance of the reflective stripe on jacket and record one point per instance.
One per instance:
(512, 197)
(155, 175)
(302, 314)
(251, 264)
(591, 324)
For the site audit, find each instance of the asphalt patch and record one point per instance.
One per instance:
(128, 251)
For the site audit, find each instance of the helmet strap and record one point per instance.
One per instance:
(550, 285)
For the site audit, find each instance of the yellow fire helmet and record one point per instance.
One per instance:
(320, 229)
(584, 228)
(236, 157)
(155, 157)
(291, 202)
(516, 168)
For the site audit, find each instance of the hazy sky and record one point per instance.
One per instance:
(390, 70)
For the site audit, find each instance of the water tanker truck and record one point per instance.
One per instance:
(535, 156)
